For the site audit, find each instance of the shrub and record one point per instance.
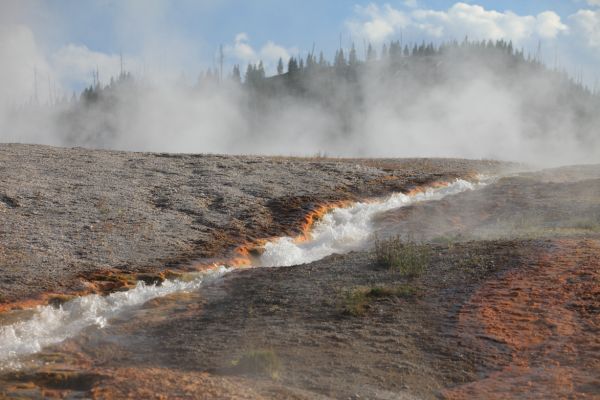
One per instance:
(408, 258)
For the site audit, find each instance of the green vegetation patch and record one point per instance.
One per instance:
(261, 362)
(356, 301)
(408, 258)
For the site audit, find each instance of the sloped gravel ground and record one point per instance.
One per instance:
(510, 316)
(68, 214)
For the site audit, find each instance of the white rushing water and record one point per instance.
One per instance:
(50, 325)
(346, 229)
(339, 231)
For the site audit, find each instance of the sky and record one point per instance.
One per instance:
(63, 41)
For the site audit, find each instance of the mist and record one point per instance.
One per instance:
(456, 102)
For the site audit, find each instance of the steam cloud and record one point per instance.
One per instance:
(471, 111)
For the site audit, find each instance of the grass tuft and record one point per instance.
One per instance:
(408, 258)
(262, 362)
(356, 301)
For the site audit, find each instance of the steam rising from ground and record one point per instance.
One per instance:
(476, 115)
(50, 325)
(460, 107)
(340, 231)
(347, 229)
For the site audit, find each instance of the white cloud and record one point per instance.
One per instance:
(272, 52)
(242, 52)
(21, 64)
(74, 65)
(71, 67)
(587, 25)
(378, 24)
(573, 42)
(549, 25)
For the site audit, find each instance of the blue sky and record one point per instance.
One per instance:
(94, 23)
(66, 38)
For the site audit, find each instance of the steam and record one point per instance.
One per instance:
(346, 229)
(50, 325)
(471, 110)
(340, 231)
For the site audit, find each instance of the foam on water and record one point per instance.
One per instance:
(347, 229)
(339, 231)
(50, 325)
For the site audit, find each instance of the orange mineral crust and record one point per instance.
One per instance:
(111, 280)
(545, 315)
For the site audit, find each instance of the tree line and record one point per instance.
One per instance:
(347, 63)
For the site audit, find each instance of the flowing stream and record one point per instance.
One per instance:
(339, 231)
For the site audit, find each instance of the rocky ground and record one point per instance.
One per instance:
(77, 220)
(506, 307)
(551, 203)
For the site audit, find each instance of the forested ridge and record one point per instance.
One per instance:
(351, 91)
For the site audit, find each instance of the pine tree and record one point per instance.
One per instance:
(352, 58)
(395, 50)
(322, 62)
(280, 66)
(260, 71)
(340, 59)
(384, 51)
(236, 75)
(371, 54)
(310, 62)
(430, 50)
(292, 66)
(250, 74)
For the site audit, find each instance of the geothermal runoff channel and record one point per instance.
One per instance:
(341, 230)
